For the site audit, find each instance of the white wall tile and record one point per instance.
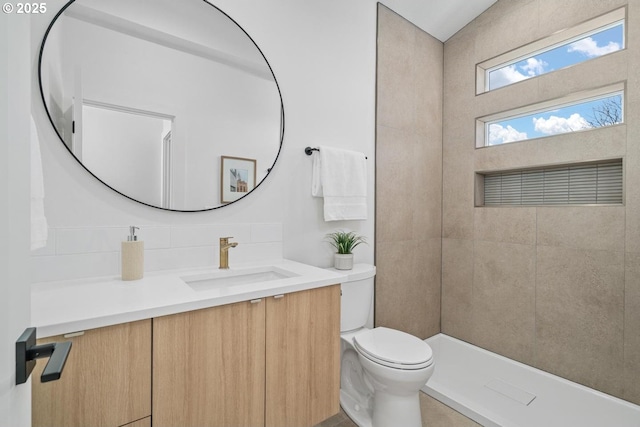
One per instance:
(166, 259)
(207, 235)
(50, 249)
(107, 239)
(89, 240)
(155, 237)
(76, 266)
(255, 252)
(79, 252)
(266, 233)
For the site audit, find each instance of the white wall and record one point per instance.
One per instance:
(323, 55)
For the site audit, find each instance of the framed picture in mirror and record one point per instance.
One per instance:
(237, 177)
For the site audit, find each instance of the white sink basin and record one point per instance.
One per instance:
(226, 278)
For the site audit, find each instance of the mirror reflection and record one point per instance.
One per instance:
(151, 97)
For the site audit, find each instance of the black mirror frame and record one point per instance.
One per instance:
(282, 116)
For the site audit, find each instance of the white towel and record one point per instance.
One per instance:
(39, 228)
(340, 176)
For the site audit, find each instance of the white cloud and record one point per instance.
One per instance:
(505, 76)
(534, 67)
(555, 124)
(590, 48)
(510, 74)
(499, 134)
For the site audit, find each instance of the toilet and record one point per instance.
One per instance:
(382, 370)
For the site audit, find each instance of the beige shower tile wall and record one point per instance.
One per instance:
(554, 287)
(632, 321)
(409, 177)
(579, 315)
(504, 293)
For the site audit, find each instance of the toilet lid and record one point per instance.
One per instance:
(393, 348)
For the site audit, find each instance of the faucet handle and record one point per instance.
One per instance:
(226, 238)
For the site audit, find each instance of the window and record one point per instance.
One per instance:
(593, 45)
(591, 39)
(580, 111)
(576, 184)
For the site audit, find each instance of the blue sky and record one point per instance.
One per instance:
(558, 120)
(595, 45)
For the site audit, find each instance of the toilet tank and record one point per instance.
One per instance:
(357, 296)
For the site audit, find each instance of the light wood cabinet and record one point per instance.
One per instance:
(208, 367)
(106, 380)
(220, 366)
(303, 357)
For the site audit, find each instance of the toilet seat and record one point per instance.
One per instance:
(394, 349)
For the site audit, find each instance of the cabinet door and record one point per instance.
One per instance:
(106, 380)
(208, 367)
(303, 357)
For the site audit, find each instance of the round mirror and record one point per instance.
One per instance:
(169, 103)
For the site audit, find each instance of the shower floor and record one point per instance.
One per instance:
(496, 391)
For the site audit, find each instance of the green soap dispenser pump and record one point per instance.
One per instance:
(132, 256)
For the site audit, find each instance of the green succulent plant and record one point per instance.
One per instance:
(345, 241)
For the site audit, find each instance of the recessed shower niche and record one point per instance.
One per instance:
(149, 95)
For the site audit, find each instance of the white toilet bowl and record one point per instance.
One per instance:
(382, 369)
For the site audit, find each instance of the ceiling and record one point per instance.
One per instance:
(440, 18)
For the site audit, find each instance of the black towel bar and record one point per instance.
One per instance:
(309, 151)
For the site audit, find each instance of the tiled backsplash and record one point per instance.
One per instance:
(73, 253)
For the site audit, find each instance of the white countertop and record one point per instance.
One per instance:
(76, 305)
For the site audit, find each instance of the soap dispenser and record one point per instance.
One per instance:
(132, 256)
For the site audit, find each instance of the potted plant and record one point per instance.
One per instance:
(344, 242)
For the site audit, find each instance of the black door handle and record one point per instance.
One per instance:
(27, 352)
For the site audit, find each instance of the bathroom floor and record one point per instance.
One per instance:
(434, 414)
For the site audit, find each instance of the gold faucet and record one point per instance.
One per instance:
(224, 251)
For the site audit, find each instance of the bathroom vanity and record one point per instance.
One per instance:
(193, 348)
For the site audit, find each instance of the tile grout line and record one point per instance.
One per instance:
(535, 294)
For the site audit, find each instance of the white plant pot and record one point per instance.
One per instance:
(343, 261)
